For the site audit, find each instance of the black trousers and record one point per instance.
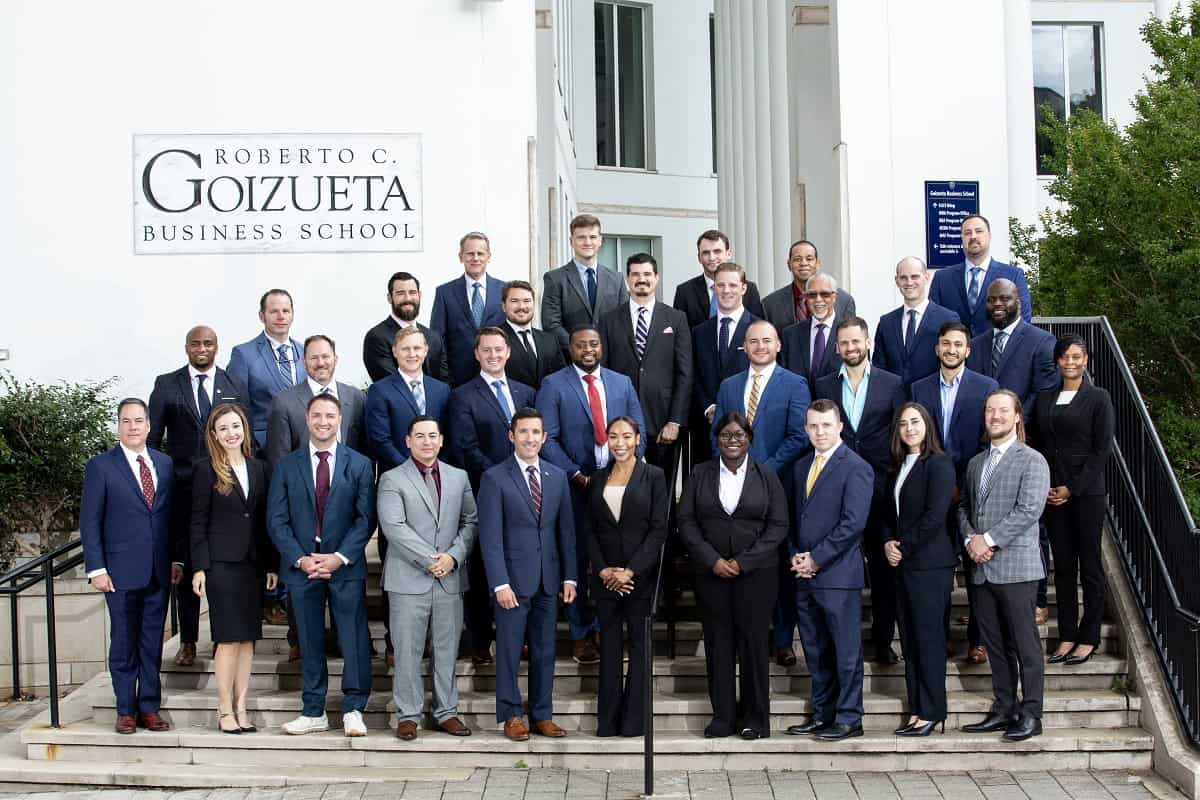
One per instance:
(187, 605)
(736, 612)
(923, 599)
(621, 710)
(1044, 547)
(1014, 645)
(882, 578)
(477, 604)
(1075, 538)
(663, 455)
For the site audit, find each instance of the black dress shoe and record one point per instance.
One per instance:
(992, 722)
(922, 730)
(840, 730)
(750, 734)
(1058, 658)
(785, 657)
(1074, 660)
(1024, 728)
(812, 726)
(886, 655)
(717, 730)
(902, 728)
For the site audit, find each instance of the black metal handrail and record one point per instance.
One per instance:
(648, 639)
(1153, 528)
(45, 568)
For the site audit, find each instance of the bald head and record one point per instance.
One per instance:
(1003, 303)
(201, 347)
(912, 279)
(761, 344)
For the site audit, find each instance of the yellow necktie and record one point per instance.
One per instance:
(752, 404)
(813, 472)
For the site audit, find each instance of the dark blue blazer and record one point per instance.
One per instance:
(253, 366)
(391, 407)
(570, 444)
(707, 365)
(347, 525)
(949, 290)
(796, 354)
(453, 321)
(1026, 365)
(966, 418)
(829, 522)
(916, 359)
(519, 548)
(175, 417)
(119, 533)
(476, 427)
(779, 436)
(872, 439)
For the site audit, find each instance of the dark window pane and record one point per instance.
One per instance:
(1083, 62)
(1049, 81)
(632, 90)
(606, 101)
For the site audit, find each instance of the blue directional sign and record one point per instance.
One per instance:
(947, 204)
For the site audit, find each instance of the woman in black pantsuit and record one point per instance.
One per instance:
(1073, 428)
(732, 518)
(916, 542)
(628, 506)
(232, 556)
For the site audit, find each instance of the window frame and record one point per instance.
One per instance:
(647, 39)
(1097, 29)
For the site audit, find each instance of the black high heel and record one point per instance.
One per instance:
(1073, 661)
(923, 730)
(903, 728)
(1058, 658)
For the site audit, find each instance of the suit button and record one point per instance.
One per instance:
(247, 515)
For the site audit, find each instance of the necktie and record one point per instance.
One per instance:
(813, 472)
(527, 343)
(285, 363)
(202, 402)
(723, 339)
(431, 484)
(326, 390)
(476, 304)
(712, 302)
(598, 431)
(535, 491)
(639, 335)
(910, 333)
(998, 342)
(322, 488)
(752, 403)
(818, 353)
(418, 395)
(973, 289)
(988, 468)
(147, 482)
(508, 414)
(591, 288)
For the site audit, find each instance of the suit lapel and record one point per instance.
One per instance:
(184, 382)
(841, 387)
(413, 474)
(834, 461)
(1017, 335)
(403, 389)
(266, 351)
(515, 471)
(343, 400)
(577, 387)
(573, 279)
(1009, 455)
(122, 467)
(245, 494)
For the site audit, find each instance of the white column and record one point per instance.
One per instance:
(1163, 8)
(1022, 153)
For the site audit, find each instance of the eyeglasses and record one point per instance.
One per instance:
(822, 295)
(732, 436)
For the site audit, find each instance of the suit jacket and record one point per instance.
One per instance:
(253, 367)
(692, 298)
(417, 527)
(916, 359)
(634, 539)
(455, 324)
(751, 535)
(920, 524)
(710, 369)
(231, 527)
(347, 524)
(380, 363)
(287, 420)
(520, 547)
(476, 426)
(119, 533)
(872, 439)
(174, 417)
(966, 420)
(391, 407)
(1077, 441)
(780, 308)
(663, 377)
(779, 436)
(796, 353)
(949, 290)
(830, 520)
(1026, 365)
(570, 442)
(1009, 512)
(565, 300)
(532, 368)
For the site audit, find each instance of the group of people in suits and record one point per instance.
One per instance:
(510, 469)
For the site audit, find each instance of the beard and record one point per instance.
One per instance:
(406, 311)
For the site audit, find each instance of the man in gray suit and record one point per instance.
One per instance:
(788, 305)
(1004, 493)
(427, 512)
(581, 291)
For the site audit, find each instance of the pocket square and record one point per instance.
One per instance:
(668, 330)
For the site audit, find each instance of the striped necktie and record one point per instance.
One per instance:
(639, 335)
(752, 403)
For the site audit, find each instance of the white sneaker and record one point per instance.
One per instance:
(302, 725)
(352, 724)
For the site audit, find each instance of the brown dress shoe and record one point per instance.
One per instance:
(515, 729)
(153, 722)
(125, 724)
(547, 727)
(1042, 615)
(524, 652)
(390, 659)
(406, 730)
(186, 656)
(454, 726)
(585, 652)
(275, 614)
(977, 655)
(294, 652)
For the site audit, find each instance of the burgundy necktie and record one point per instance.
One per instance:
(147, 482)
(535, 491)
(598, 431)
(322, 491)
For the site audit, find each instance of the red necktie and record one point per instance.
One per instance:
(322, 491)
(147, 482)
(598, 431)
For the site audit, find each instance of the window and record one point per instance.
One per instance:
(615, 249)
(620, 85)
(1066, 75)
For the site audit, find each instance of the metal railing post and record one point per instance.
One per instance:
(51, 644)
(16, 647)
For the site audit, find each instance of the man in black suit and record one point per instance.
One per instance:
(404, 296)
(810, 347)
(696, 297)
(649, 342)
(535, 353)
(582, 290)
(179, 407)
(787, 306)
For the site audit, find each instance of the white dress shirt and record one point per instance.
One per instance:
(909, 461)
(131, 458)
(730, 483)
(314, 462)
(634, 307)
(517, 329)
(766, 373)
(524, 466)
(601, 450)
(242, 473)
(735, 318)
(1000, 448)
(830, 336)
(920, 308)
(985, 266)
(210, 377)
(1066, 396)
(504, 388)
(291, 353)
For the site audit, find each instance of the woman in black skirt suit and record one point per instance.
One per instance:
(231, 554)
(627, 503)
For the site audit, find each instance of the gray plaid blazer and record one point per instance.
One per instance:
(1009, 512)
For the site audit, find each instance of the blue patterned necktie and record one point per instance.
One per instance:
(998, 343)
(202, 402)
(988, 468)
(723, 338)
(499, 387)
(591, 288)
(285, 363)
(910, 333)
(973, 289)
(712, 302)
(418, 394)
(639, 335)
(477, 304)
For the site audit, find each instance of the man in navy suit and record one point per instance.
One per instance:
(527, 537)
(319, 515)
(479, 417)
(810, 347)
(868, 398)
(832, 488)
(697, 297)
(961, 288)
(906, 336)
(124, 524)
(179, 407)
(577, 403)
(394, 401)
(268, 363)
(466, 304)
